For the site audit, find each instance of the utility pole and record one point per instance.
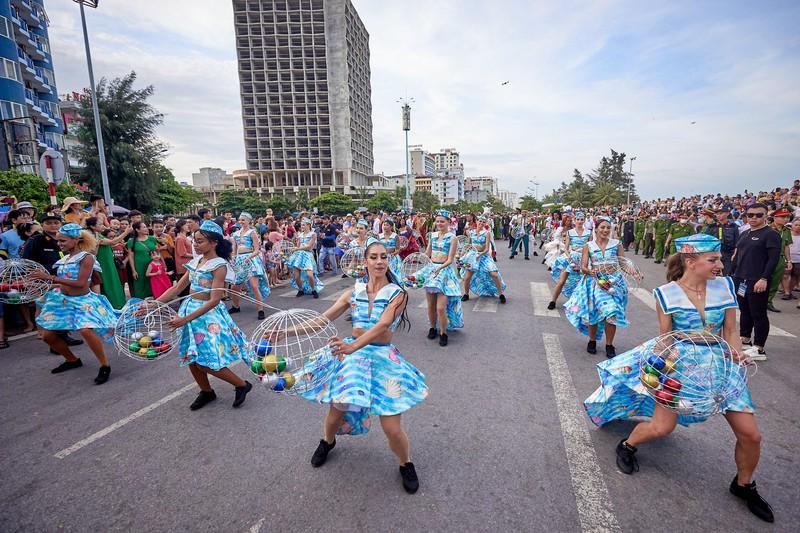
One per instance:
(406, 128)
(630, 181)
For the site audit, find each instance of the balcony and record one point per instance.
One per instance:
(29, 12)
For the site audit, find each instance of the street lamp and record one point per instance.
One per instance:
(100, 149)
(630, 180)
(536, 185)
(406, 128)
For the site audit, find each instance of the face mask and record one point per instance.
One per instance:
(684, 220)
(663, 216)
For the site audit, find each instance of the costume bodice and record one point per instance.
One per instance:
(577, 241)
(356, 244)
(202, 277)
(359, 305)
(304, 238)
(69, 266)
(478, 238)
(441, 244)
(598, 256)
(390, 241)
(244, 240)
(720, 295)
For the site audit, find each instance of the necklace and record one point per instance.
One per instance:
(698, 292)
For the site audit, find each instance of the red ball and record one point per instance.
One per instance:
(664, 397)
(5, 287)
(672, 385)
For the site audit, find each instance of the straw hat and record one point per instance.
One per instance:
(69, 200)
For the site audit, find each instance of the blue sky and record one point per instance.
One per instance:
(584, 77)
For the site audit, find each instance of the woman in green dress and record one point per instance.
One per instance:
(112, 286)
(140, 246)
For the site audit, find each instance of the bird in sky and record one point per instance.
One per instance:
(693, 122)
(505, 82)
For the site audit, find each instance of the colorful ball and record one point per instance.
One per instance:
(145, 342)
(256, 367)
(279, 385)
(649, 380)
(289, 379)
(157, 342)
(151, 353)
(143, 351)
(650, 370)
(136, 335)
(656, 362)
(264, 348)
(152, 333)
(669, 366)
(134, 347)
(273, 364)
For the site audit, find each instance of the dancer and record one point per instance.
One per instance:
(210, 341)
(72, 306)
(304, 277)
(442, 288)
(695, 299)
(566, 268)
(371, 377)
(482, 275)
(248, 248)
(592, 309)
(389, 239)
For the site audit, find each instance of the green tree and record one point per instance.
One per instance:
(32, 188)
(280, 205)
(238, 201)
(529, 203)
(333, 203)
(382, 201)
(174, 198)
(301, 202)
(133, 152)
(424, 201)
(606, 193)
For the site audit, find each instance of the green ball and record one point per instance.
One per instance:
(650, 370)
(152, 354)
(256, 367)
(134, 347)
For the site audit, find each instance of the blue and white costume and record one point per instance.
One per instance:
(213, 339)
(254, 266)
(590, 305)
(621, 394)
(395, 263)
(481, 267)
(374, 380)
(303, 260)
(89, 311)
(447, 281)
(565, 261)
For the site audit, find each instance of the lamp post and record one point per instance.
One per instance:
(630, 180)
(536, 185)
(406, 128)
(100, 148)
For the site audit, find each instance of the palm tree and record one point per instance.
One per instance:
(578, 195)
(605, 193)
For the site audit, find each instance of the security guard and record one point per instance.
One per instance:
(682, 229)
(727, 232)
(661, 229)
(638, 232)
(649, 236)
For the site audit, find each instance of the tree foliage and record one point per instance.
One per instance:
(237, 201)
(529, 203)
(280, 205)
(174, 198)
(32, 188)
(424, 201)
(133, 152)
(333, 203)
(382, 201)
(606, 184)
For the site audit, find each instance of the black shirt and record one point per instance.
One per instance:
(329, 235)
(44, 250)
(757, 254)
(728, 233)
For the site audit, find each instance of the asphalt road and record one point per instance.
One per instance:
(501, 443)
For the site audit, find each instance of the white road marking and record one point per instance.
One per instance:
(540, 292)
(257, 526)
(329, 282)
(595, 511)
(332, 297)
(486, 305)
(119, 423)
(23, 335)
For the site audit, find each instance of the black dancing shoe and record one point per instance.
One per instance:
(344, 276)
(432, 333)
(241, 394)
(591, 347)
(234, 310)
(465, 298)
(299, 294)
(502, 298)
(511, 256)
(527, 258)
(757, 505)
(261, 315)
(314, 294)
(535, 253)
(71, 341)
(610, 351)
(551, 306)
(321, 453)
(205, 397)
(626, 458)
(67, 365)
(102, 375)
(443, 339)
(410, 479)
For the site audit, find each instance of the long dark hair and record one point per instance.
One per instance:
(223, 247)
(405, 323)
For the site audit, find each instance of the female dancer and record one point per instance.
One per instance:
(211, 341)
(72, 306)
(591, 308)
(694, 299)
(371, 377)
(482, 275)
(302, 262)
(566, 268)
(248, 247)
(389, 240)
(442, 288)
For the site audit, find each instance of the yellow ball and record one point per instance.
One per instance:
(142, 351)
(289, 378)
(650, 380)
(270, 363)
(145, 342)
(669, 366)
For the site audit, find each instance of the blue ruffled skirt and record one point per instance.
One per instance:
(482, 283)
(590, 305)
(303, 260)
(565, 263)
(446, 283)
(60, 312)
(255, 268)
(212, 340)
(374, 380)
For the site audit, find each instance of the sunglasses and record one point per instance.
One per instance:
(756, 215)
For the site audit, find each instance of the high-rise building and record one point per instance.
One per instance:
(446, 158)
(423, 163)
(70, 104)
(28, 99)
(483, 183)
(508, 198)
(306, 99)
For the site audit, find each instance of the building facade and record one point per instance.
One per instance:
(69, 105)
(28, 98)
(483, 183)
(422, 163)
(306, 97)
(446, 158)
(508, 198)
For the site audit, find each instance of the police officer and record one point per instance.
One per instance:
(638, 233)
(650, 236)
(660, 230)
(780, 218)
(727, 232)
(681, 229)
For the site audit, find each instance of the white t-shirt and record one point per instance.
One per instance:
(794, 249)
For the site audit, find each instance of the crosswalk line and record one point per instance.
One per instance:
(486, 305)
(540, 293)
(328, 283)
(332, 297)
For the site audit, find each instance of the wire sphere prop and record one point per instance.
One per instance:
(609, 277)
(290, 351)
(16, 284)
(463, 245)
(354, 263)
(413, 267)
(286, 248)
(343, 240)
(143, 331)
(692, 373)
(518, 232)
(241, 269)
(402, 243)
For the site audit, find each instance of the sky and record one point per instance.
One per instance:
(705, 95)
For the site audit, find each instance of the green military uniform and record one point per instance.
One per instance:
(676, 231)
(649, 226)
(780, 268)
(661, 228)
(638, 234)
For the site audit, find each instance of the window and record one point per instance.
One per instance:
(11, 110)
(8, 69)
(5, 28)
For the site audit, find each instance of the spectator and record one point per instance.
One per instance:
(140, 247)
(780, 277)
(11, 241)
(755, 258)
(111, 285)
(166, 244)
(205, 214)
(328, 232)
(134, 216)
(794, 255)
(73, 212)
(728, 233)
